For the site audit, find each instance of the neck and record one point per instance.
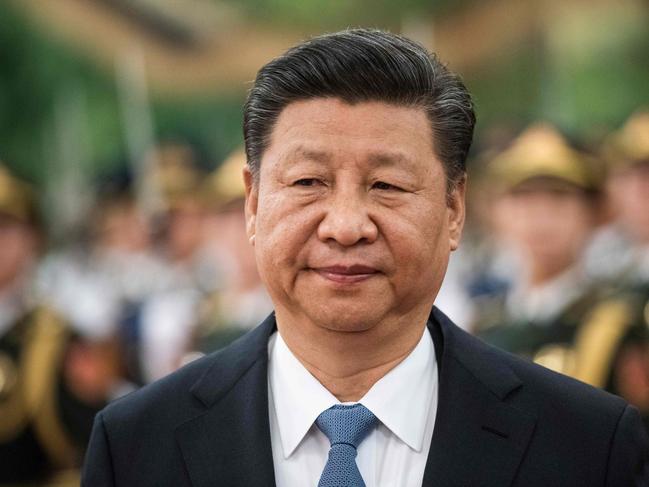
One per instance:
(348, 364)
(542, 274)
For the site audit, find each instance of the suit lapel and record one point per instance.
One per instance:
(479, 439)
(229, 444)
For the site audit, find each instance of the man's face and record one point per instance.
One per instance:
(350, 214)
(628, 191)
(18, 243)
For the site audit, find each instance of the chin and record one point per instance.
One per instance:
(345, 318)
(347, 327)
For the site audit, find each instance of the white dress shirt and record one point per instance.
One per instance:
(394, 454)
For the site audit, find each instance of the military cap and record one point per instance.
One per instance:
(225, 184)
(630, 144)
(176, 174)
(17, 198)
(542, 152)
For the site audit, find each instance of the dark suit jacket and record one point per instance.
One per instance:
(500, 422)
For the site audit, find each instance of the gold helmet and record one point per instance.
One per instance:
(176, 174)
(542, 152)
(17, 198)
(630, 144)
(225, 185)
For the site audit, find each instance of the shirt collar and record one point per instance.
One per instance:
(401, 399)
(298, 396)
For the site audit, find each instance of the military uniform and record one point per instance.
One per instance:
(239, 301)
(613, 342)
(43, 426)
(543, 322)
(613, 345)
(34, 437)
(543, 339)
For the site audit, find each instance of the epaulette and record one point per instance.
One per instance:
(598, 340)
(44, 357)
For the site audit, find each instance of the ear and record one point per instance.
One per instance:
(456, 204)
(252, 198)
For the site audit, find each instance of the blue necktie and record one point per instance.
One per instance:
(346, 427)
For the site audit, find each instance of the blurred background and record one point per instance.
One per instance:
(122, 245)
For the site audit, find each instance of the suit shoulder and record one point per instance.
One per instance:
(169, 396)
(184, 393)
(556, 395)
(543, 388)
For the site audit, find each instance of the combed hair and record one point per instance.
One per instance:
(361, 65)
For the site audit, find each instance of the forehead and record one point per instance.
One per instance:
(320, 129)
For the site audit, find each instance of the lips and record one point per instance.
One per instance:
(346, 274)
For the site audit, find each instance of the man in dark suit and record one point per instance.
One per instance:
(355, 183)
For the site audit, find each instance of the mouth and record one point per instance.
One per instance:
(343, 274)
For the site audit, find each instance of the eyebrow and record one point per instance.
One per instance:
(310, 154)
(378, 159)
(389, 159)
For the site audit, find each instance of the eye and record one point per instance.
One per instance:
(385, 186)
(307, 182)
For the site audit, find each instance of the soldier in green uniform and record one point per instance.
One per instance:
(546, 205)
(614, 342)
(620, 250)
(238, 300)
(48, 388)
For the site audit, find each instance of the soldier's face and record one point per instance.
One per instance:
(18, 243)
(550, 224)
(628, 190)
(350, 214)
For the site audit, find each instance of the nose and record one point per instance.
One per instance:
(347, 220)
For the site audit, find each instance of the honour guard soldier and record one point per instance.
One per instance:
(619, 328)
(238, 301)
(49, 387)
(546, 207)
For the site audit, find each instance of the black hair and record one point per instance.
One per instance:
(360, 65)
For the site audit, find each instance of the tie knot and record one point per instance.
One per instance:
(346, 424)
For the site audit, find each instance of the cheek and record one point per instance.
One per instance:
(509, 219)
(578, 231)
(635, 198)
(15, 251)
(282, 233)
(564, 229)
(421, 272)
(419, 244)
